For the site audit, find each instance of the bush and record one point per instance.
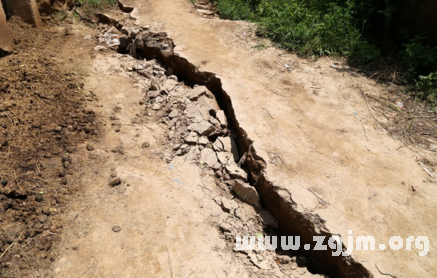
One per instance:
(235, 9)
(309, 31)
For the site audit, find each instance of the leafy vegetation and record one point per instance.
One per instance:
(367, 32)
(100, 4)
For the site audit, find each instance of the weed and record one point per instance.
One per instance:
(261, 46)
(99, 4)
(428, 86)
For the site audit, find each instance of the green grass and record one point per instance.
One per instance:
(97, 3)
(362, 31)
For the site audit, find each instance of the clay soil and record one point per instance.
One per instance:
(41, 122)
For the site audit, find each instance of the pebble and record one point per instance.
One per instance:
(145, 145)
(4, 182)
(116, 229)
(115, 182)
(89, 147)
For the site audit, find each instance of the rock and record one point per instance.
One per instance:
(230, 146)
(283, 259)
(145, 145)
(172, 122)
(220, 115)
(115, 182)
(246, 192)
(218, 146)
(214, 121)
(268, 219)
(223, 157)
(203, 141)
(169, 85)
(197, 92)
(203, 128)
(184, 149)
(205, 12)
(433, 148)
(209, 157)
(302, 261)
(99, 48)
(197, 113)
(209, 103)
(174, 113)
(236, 172)
(177, 147)
(58, 129)
(4, 182)
(116, 229)
(226, 204)
(39, 197)
(191, 138)
(89, 147)
(64, 180)
(225, 227)
(156, 106)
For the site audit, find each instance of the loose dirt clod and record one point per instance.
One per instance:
(116, 229)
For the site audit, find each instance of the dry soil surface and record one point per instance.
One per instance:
(114, 167)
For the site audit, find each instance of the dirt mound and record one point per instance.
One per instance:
(41, 121)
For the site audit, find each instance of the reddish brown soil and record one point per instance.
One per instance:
(41, 121)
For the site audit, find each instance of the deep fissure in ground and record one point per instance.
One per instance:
(291, 222)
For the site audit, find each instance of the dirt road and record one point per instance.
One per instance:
(165, 172)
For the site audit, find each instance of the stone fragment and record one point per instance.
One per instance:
(230, 146)
(209, 157)
(191, 138)
(220, 115)
(197, 92)
(169, 85)
(197, 112)
(223, 157)
(115, 182)
(236, 172)
(218, 145)
(116, 229)
(145, 145)
(229, 205)
(246, 192)
(174, 113)
(225, 227)
(214, 121)
(203, 141)
(156, 106)
(203, 128)
(172, 122)
(283, 259)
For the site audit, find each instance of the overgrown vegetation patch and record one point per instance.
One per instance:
(368, 33)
